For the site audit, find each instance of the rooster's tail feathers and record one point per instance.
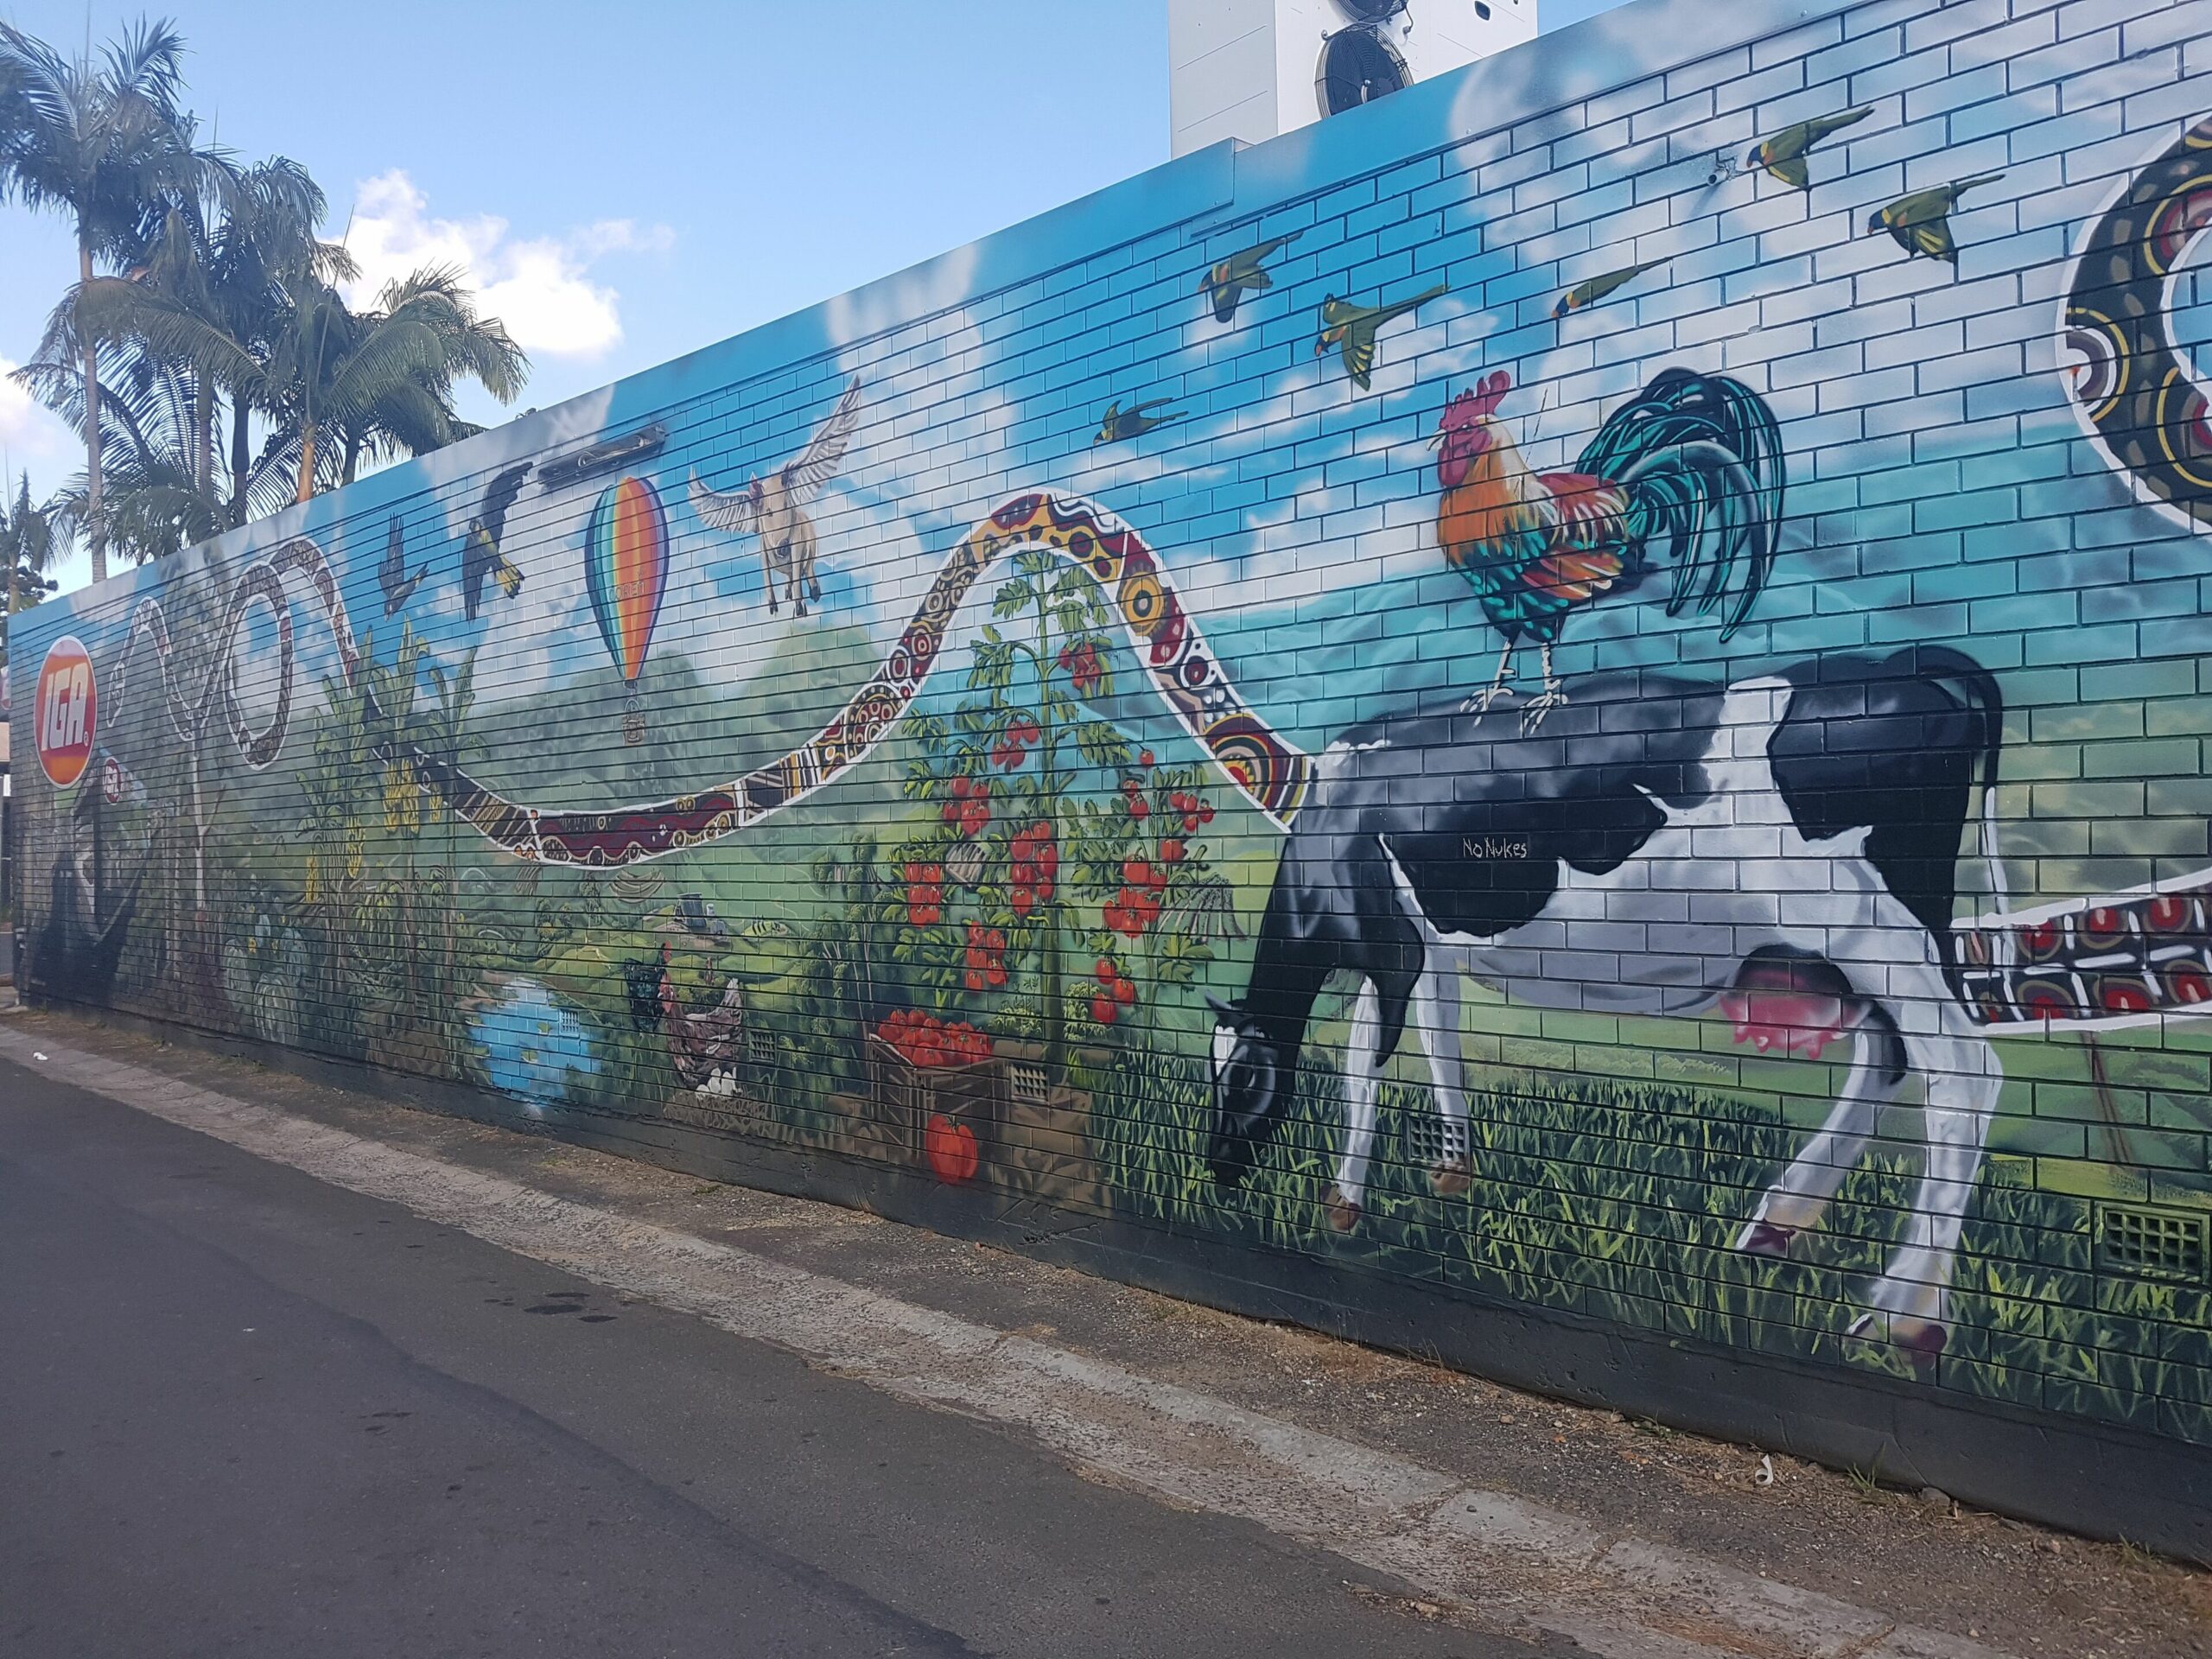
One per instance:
(1700, 457)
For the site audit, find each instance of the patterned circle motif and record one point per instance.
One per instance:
(2186, 984)
(1143, 597)
(2103, 928)
(2099, 365)
(2048, 999)
(2170, 913)
(2115, 994)
(1264, 766)
(2131, 378)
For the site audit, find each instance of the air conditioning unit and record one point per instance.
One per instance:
(1250, 69)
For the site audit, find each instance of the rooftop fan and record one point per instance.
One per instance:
(1357, 66)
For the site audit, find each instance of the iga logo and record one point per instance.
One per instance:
(66, 712)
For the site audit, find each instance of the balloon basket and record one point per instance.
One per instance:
(633, 723)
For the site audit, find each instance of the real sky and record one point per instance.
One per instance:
(629, 184)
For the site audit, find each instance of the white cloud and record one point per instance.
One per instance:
(540, 286)
(32, 436)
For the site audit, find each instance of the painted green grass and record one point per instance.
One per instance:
(1618, 1200)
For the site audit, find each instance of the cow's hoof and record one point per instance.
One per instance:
(1765, 1238)
(1921, 1341)
(1449, 1177)
(1342, 1213)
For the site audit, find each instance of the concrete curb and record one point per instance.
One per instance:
(1499, 1561)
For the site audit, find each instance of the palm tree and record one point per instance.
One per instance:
(102, 142)
(420, 416)
(210, 308)
(28, 544)
(338, 385)
(156, 504)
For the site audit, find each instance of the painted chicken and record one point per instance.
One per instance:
(1693, 465)
(705, 1044)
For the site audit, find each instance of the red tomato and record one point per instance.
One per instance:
(951, 1147)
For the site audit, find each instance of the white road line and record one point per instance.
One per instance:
(1514, 1566)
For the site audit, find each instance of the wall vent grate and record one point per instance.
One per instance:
(1027, 1081)
(2146, 1241)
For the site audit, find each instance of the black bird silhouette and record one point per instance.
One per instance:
(393, 579)
(1225, 284)
(479, 554)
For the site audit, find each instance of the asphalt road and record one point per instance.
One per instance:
(243, 1413)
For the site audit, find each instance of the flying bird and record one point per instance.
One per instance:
(479, 554)
(1784, 154)
(1351, 329)
(1693, 464)
(392, 579)
(1225, 284)
(774, 508)
(1588, 294)
(1120, 425)
(1921, 223)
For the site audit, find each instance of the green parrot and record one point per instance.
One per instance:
(1921, 223)
(1351, 329)
(1120, 425)
(1596, 287)
(1226, 283)
(1784, 154)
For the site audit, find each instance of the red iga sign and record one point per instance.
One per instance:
(65, 712)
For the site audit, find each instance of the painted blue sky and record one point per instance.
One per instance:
(625, 192)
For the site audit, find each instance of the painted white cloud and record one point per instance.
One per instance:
(541, 287)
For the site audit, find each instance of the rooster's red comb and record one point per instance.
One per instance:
(1479, 405)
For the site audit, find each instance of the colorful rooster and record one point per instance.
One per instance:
(1694, 463)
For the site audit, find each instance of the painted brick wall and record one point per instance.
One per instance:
(1832, 945)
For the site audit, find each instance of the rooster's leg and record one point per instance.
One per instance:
(1480, 703)
(1552, 697)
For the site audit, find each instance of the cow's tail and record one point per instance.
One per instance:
(1977, 690)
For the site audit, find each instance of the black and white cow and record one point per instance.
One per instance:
(1783, 848)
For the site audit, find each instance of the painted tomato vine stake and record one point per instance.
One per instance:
(1054, 840)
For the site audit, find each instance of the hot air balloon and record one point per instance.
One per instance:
(626, 571)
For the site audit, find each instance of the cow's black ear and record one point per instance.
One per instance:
(1228, 1014)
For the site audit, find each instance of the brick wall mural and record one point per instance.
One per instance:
(1584, 690)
